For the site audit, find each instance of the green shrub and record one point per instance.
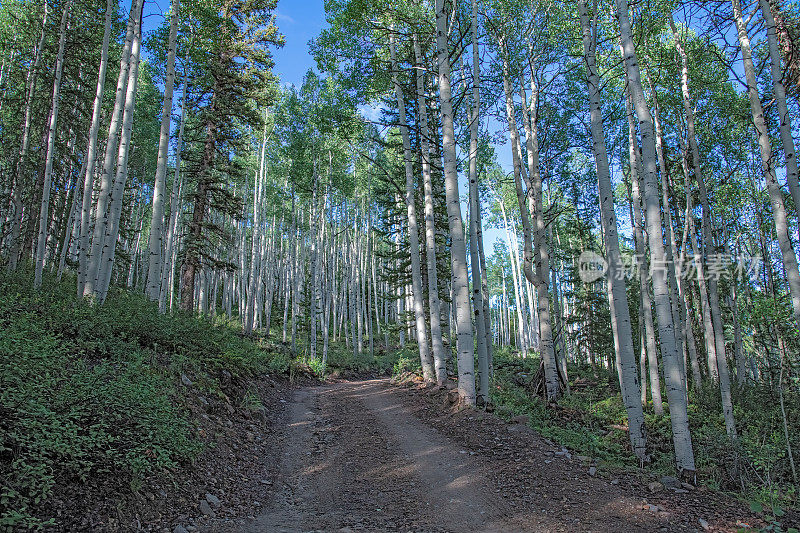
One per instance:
(91, 392)
(589, 421)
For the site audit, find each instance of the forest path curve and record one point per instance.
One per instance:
(357, 456)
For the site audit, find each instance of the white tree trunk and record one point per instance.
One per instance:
(51, 147)
(474, 217)
(16, 224)
(458, 253)
(434, 304)
(776, 196)
(787, 141)
(542, 258)
(106, 179)
(428, 370)
(617, 295)
(156, 254)
(91, 151)
(644, 286)
(676, 391)
(108, 250)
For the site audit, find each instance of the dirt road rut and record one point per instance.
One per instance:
(354, 457)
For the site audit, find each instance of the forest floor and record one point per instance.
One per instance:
(369, 456)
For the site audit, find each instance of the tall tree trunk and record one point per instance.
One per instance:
(785, 121)
(106, 178)
(155, 243)
(516, 152)
(428, 370)
(458, 253)
(673, 373)
(106, 265)
(667, 214)
(191, 257)
(541, 277)
(19, 169)
(474, 216)
(249, 318)
(91, 152)
(51, 147)
(175, 204)
(684, 292)
(646, 315)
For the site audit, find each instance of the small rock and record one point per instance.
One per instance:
(687, 486)
(213, 500)
(564, 453)
(655, 486)
(652, 508)
(185, 380)
(180, 529)
(583, 459)
(615, 482)
(266, 482)
(703, 524)
(521, 419)
(202, 399)
(671, 482)
(206, 509)
(345, 530)
(592, 471)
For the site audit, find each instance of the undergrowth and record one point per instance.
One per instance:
(591, 421)
(95, 392)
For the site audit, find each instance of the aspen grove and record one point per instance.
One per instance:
(584, 212)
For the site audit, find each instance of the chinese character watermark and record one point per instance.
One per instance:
(593, 267)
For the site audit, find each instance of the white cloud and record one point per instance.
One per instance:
(281, 16)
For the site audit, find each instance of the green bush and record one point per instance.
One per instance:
(87, 392)
(588, 421)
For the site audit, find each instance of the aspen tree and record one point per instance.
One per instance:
(155, 242)
(767, 165)
(458, 254)
(428, 370)
(673, 373)
(779, 90)
(108, 249)
(646, 314)
(106, 180)
(16, 223)
(617, 296)
(541, 274)
(51, 141)
(91, 152)
(474, 217)
(434, 304)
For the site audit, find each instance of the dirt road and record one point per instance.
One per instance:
(363, 456)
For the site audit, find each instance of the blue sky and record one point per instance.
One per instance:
(299, 21)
